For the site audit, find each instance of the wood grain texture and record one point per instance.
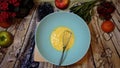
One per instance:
(104, 51)
(112, 59)
(19, 30)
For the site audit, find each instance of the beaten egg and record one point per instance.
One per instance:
(56, 38)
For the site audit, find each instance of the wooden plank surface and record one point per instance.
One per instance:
(104, 51)
(19, 30)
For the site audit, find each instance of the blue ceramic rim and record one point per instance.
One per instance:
(72, 14)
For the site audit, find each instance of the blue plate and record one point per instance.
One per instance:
(71, 21)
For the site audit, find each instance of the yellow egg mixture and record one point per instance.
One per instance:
(56, 38)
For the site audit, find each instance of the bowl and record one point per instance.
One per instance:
(71, 21)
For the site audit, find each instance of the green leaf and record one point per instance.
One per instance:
(84, 10)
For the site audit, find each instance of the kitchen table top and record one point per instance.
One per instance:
(104, 51)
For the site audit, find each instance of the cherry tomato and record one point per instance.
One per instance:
(107, 26)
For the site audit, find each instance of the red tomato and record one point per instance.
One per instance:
(107, 26)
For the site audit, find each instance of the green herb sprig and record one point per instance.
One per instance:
(84, 10)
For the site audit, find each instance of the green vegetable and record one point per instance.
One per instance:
(84, 10)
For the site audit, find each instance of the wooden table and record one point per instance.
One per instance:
(104, 51)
